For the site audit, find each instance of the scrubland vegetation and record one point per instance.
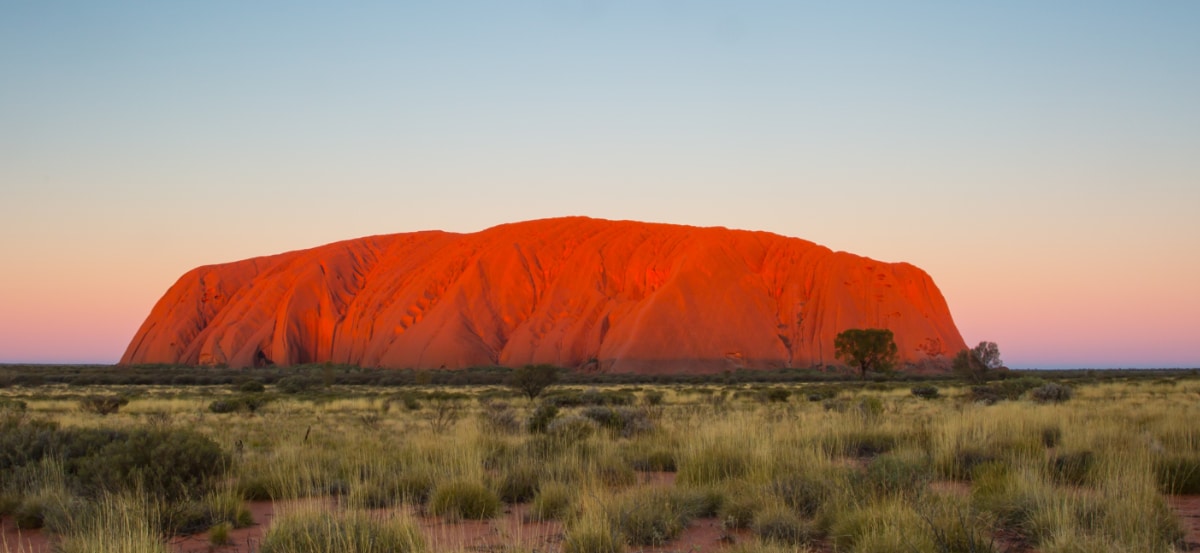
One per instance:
(1017, 464)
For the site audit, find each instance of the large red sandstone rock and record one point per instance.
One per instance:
(606, 295)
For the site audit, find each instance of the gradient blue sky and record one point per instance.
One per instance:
(1041, 160)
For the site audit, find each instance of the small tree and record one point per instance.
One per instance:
(869, 349)
(530, 380)
(978, 363)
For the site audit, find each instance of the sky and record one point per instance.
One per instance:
(1040, 160)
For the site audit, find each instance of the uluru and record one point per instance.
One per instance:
(591, 294)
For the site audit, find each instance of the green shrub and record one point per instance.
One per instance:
(251, 386)
(462, 499)
(552, 502)
(925, 392)
(802, 492)
(571, 429)
(1051, 393)
(779, 524)
(860, 443)
(965, 460)
(101, 404)
(621, 421)
(42, 509)
(541, 418)
(249, 403)
(296, 384)
(340, 532)
(168, 464)
(1178, 474)
(652, 397)
(776, 395)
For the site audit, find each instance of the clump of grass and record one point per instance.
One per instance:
(651, 458)
(218, 535)
(964, 460)
(893, 473)
(102, 404)
(860, 443)
(654, 516)
(226, 506)
(463, 499)
(714, 464)
(782, 525)
(802, 492)
(316, 531)
(1178, 474)
(123, 523)
(552, 502)
(42, 508)
(1072, 467)
(739, 509)
(519, 483)
(612, 471)
(593, 534)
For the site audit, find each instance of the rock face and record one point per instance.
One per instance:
(593, 294)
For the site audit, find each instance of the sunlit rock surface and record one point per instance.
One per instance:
(619, 296)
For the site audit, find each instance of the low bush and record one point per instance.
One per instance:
(862, 443)
(963, 462)
(891, 474)
(519, 482)
(655, 516)
(621, 421)
(776, 395)
(652, 397)
(498, 418)
(168, 464)
(925, 392)
(462, 499)
(738, 510)
(1051, 393)
(341, 532)
(102, 404)
(552, 502)
(779, 524)
(249, 403)
(571, 429)
(541, 418)
(802, 492)
(296, 384)
(251, 386)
